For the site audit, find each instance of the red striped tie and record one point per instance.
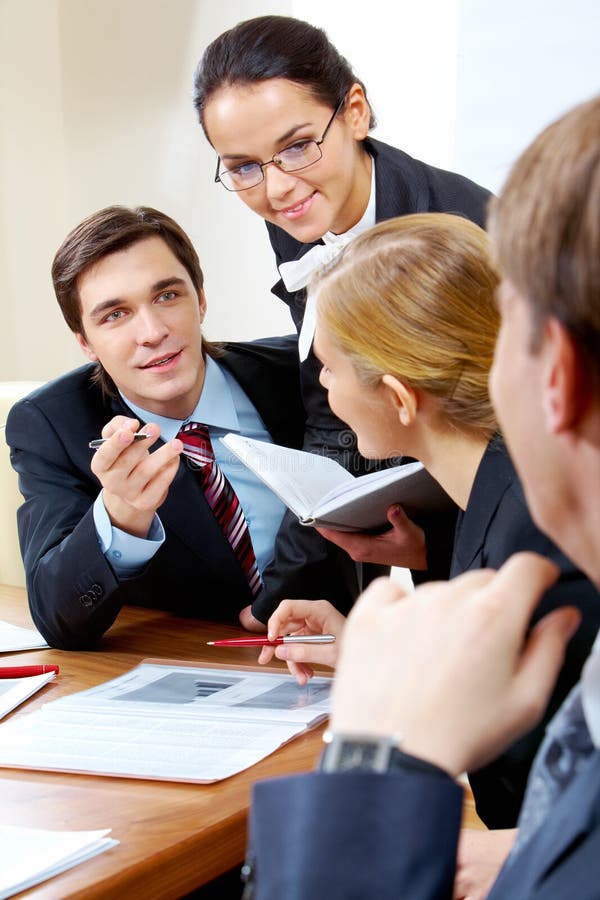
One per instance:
(222, 499)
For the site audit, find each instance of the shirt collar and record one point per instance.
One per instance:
(214, 408)
(590, 692)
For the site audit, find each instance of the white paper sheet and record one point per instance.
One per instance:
(13, 638)
(31, 855)
(14, 691)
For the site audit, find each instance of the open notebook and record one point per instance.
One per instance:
(321, 492)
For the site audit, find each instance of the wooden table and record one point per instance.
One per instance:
(173, 837)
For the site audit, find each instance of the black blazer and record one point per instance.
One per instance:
(74, 595)
(496, 524)
(403, 185)
(394, 836)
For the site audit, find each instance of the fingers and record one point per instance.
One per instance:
(319, 654)
(305, 617)
(542, 659)
(302, 673)
(128, 471)
(289, 616)
(401, 545)
(357, 546)
(380, 593)
(520, 583)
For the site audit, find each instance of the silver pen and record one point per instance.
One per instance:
(283, 639)
(97, 442)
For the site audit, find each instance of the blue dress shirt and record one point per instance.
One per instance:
(223, 407)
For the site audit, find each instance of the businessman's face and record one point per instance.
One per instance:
(141, 318)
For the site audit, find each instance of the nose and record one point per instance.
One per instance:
(151, 329)
(277, 182)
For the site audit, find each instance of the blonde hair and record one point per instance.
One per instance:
(414, 297)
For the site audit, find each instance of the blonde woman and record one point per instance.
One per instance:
(406, 329)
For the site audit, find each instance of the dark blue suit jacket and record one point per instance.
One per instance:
(74, 595)
(403, 185)
(496, 524)
(363, 836)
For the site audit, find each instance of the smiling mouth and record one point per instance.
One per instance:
(298, 207)
(163, 361)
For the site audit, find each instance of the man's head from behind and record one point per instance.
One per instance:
(117, 234)
(545, 226)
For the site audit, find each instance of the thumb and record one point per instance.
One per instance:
(543, 657)
(397, 517)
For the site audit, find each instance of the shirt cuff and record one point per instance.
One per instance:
(126, 553)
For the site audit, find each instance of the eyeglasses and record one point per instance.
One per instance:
(297, 156)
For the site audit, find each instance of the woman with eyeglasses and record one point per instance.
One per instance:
(289, 121)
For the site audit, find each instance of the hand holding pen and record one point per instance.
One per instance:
(302, 619)
(135, 482)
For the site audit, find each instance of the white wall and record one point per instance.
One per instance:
(96, 109)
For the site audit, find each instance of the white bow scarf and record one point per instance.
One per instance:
(297, 273)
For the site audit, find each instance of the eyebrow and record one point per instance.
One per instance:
(280, 140)
(113, 302)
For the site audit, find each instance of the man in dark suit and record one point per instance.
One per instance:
(441, 682)
(130, 522)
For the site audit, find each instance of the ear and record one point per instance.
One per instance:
(357, 112)
(85, 347)
(565, 386)
(403, 398)
(202, 304)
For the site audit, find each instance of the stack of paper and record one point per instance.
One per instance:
(15, 690)
(31, 855)
(13, 638)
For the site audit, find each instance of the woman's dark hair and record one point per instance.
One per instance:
(274, 47)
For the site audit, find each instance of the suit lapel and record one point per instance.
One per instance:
(494, 476)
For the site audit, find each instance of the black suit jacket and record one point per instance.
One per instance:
(403, 185)
(74, 594)
(394, 837)
(496, 524)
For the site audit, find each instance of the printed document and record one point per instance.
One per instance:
(169, 721)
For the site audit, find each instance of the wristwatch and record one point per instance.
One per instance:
(369, 753)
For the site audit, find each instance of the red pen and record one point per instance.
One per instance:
(283, 639)
(25, 671)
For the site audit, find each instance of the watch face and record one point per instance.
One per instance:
(359, 756)
(344, 753)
